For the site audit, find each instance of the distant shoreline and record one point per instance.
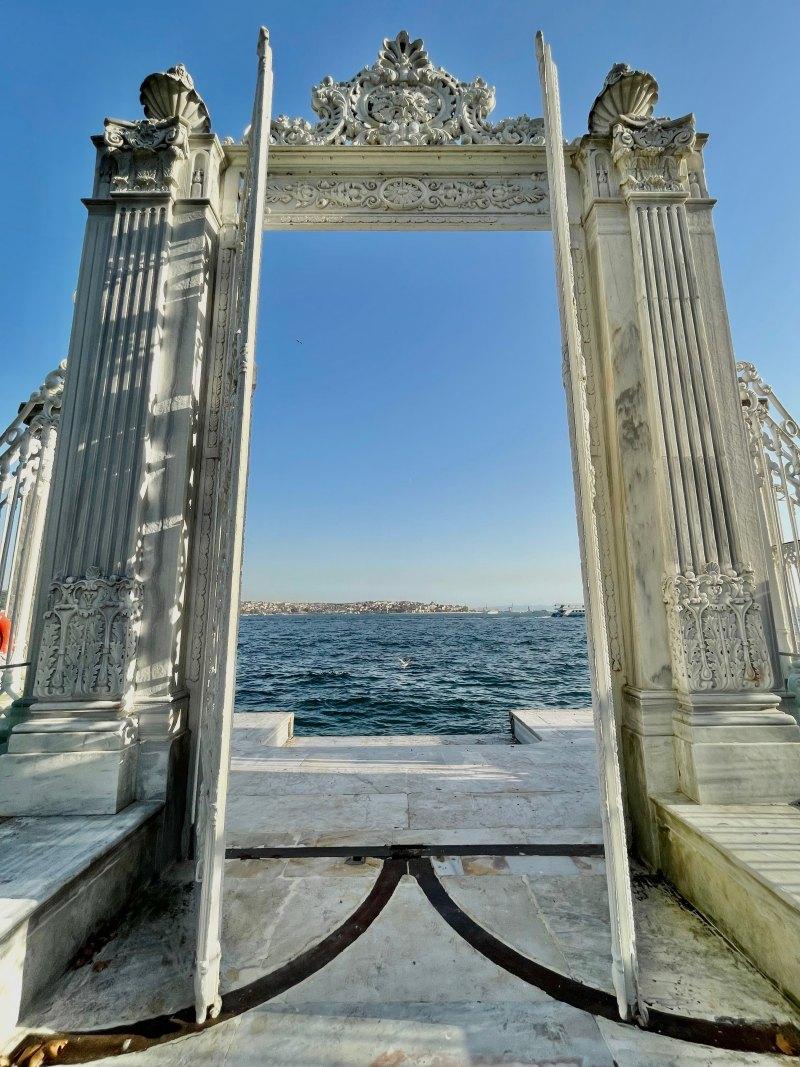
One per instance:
(266, 608)
(365, 607)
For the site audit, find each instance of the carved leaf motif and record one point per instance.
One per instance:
(89, 638)
(716, 631)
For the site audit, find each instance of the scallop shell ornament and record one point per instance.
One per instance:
(171, 94)
(626, 92)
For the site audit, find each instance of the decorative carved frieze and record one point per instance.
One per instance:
(716, 631)
(143, 156)
(403, 99)
(407, 194)
(651, 156)
(89, 638)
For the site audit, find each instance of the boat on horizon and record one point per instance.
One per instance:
(568, 611)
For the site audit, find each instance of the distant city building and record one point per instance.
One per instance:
(359, 607)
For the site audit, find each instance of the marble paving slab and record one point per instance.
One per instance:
(321, 790)
(410, 991)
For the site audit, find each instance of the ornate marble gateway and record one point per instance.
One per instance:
(403, 99)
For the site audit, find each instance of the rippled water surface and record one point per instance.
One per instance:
(341, 674)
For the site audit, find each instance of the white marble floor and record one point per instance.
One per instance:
(410, 990)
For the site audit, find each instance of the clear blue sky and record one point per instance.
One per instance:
(415, 443)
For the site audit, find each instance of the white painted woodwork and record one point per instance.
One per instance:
(624, 965)
(220, 680)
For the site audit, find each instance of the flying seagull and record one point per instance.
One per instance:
(404, 662)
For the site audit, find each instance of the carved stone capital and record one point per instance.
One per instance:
(143, 156)
(716, 631)
(650, 155)
(89, 638)
(403, 99)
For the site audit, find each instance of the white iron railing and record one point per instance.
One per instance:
(26, 460)
(775, 446)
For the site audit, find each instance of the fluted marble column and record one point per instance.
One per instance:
(700, 712)
(107, 694)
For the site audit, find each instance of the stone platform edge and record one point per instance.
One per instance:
(532, 725)
(732, 870)
(274, 728)
(40, 937)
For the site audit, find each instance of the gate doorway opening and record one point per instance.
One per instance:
(409, 451)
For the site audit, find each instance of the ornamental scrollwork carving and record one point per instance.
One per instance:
(143, 156)
(403, 99)
(89, 638)
(651, 156)
(716, 631)
(407, 194)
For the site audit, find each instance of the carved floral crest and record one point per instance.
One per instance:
(403, 99)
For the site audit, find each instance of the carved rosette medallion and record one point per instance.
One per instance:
(89, 639)
(716, 631)
(403, 99)
(144, 156)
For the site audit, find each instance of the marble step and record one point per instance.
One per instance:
(61, 879)
(740, 865)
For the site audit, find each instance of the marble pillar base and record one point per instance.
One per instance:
(76, 766)
(648, 756)
(736, 748)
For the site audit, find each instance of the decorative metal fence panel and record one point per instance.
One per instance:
(26, 458)
(775, 446)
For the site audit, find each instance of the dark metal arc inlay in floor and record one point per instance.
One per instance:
(274, 852)
(84, 1047)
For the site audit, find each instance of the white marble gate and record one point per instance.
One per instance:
(134, 620)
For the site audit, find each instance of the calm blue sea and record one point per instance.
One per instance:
(341, 674)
